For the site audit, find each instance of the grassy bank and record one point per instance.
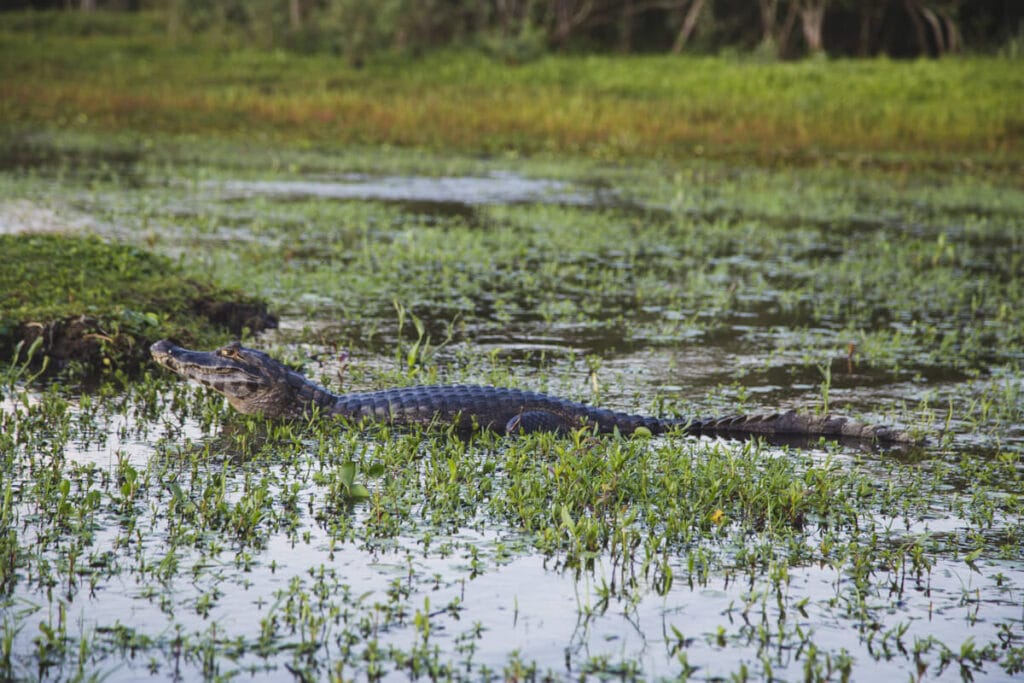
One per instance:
(87, 305)
(135, 80)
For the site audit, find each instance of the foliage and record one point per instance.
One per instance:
(693, 232)
(522, 29)
(152, 531)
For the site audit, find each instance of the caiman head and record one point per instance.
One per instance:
(252, 381)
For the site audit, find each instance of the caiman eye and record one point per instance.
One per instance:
(228, 352)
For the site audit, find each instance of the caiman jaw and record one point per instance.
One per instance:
(227, 371)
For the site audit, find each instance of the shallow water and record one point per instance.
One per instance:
(487, 595)
(698, 291)
(438, 195)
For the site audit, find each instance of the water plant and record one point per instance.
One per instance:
(151, 530)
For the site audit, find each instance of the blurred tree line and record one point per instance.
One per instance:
(520, 30)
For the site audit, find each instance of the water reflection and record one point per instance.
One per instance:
(447, 195)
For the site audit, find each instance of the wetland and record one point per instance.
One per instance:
(671, 236)
(151, 530)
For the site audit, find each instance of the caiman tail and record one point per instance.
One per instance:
(792, 423)
(255, 383)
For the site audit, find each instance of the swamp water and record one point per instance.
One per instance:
(148, 529)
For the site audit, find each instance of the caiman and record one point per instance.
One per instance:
(255, 383)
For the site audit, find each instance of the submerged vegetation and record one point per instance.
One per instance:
(867, 263)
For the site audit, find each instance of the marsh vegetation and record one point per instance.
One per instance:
(150, 528)
(146, 528)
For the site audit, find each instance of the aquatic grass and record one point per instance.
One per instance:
(716, 289)
(632, 499)
(703, 286)
(646, 286)
(642, 505)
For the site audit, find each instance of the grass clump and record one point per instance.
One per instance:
(96, 305)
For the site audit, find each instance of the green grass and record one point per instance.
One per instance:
(603, 107)
(99, 305)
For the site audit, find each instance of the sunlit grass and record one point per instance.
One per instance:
(594, 106)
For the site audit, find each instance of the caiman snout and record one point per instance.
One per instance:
(161, 348)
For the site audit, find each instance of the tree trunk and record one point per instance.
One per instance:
(769, 14)
(689, 23)
(626, 27)
(953, 37)
(936, 27)
(787, 29)
(506, 15)
(866, 22)
(295, 14)
(569, 15)
(173, 20)
(812, 20)
(912, 7)
(772, 33)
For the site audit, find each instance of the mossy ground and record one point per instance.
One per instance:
(93, 305)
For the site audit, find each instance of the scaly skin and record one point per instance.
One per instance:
(255, 383)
